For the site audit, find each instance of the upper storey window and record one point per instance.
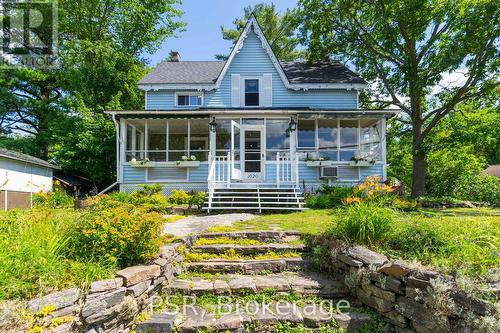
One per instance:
(189, 99)
(251, 92)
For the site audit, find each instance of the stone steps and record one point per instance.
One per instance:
(251, 249)
(257, 318)
(263, 236)
(303, 283)
(251, 266)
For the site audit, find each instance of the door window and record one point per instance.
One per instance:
(253, 146)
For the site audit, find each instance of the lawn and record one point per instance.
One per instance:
(453, 240)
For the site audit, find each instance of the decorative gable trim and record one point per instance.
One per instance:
(252, 23)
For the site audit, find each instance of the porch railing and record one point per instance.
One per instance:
(287, 170)
(219, 170)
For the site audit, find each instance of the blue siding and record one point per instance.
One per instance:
(161, 99)
(308, 174)
(199, 174)
(375, 170)
(251, 60)
(133, 175)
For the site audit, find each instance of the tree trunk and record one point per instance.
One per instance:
(419, 174)
(419, 162)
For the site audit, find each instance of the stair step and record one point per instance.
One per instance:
(259, 193)
(251, 249)
(250, 266)
(254, 208)
(259, 317)
(256, 197)
(261, 235)
(256, 202)
(303, 283)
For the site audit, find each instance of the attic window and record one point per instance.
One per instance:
(189, 99)
(251, 92)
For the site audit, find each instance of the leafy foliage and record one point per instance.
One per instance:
(407, 47)
(55, 199)
(98, 67)
(121, 235)
(33, 253)
(364, 222)
(279, 29)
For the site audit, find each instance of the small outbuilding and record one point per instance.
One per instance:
(21, 176)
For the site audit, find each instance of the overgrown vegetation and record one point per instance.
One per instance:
(54, 246)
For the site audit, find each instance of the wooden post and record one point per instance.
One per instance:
(278, 169)
(229, 169)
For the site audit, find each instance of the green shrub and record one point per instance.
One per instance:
(179, 197)
(480, 188)
(329, 197)
(149, 189)
(197, 199)
(118, 235)
(55, 199)
(364, 223)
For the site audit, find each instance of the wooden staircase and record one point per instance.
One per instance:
(257, 199)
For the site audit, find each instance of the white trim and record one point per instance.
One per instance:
(312, 86)
(252, 22)
(189, 93)
(260, 113)
(170, 86)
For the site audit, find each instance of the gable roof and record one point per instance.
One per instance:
(319, 72)
(209, 74)
(184, 72)
(14, 155)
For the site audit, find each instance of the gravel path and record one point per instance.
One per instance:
(195, 224)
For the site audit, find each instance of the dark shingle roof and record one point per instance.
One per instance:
(184, 72)
(319, 72)
(206, 72)
(14, 155)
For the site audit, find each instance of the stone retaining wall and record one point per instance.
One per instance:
(109, 305)
(411, 300)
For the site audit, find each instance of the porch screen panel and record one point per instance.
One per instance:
(199, 139)
(370, 145)
(328, 139)
(177, 139)
(223, 137)
(349, 136)
(277, 137)
(157, 140)
(306, 133)
(135, 136)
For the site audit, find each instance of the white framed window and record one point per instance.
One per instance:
(251, 91)
(189, 98)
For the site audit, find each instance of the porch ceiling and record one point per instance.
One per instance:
(206, 112)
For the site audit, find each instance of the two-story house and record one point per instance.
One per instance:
(252, 131)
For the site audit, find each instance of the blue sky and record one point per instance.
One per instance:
(202, 38)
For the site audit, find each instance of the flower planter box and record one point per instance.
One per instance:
(319, 163)
(180, 164)
(361, 163)
(142, 165)
(186, 164)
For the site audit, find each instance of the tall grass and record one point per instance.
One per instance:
(33, 249)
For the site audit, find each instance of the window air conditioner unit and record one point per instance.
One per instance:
(329, 172)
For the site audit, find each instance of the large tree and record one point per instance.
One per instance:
(406, 48)
(280, 30)
(100, 49)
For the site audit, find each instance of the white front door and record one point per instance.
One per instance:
(253, 153)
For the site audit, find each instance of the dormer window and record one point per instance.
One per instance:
(189, 99)
(251, 92)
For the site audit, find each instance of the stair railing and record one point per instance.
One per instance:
(284, 170)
